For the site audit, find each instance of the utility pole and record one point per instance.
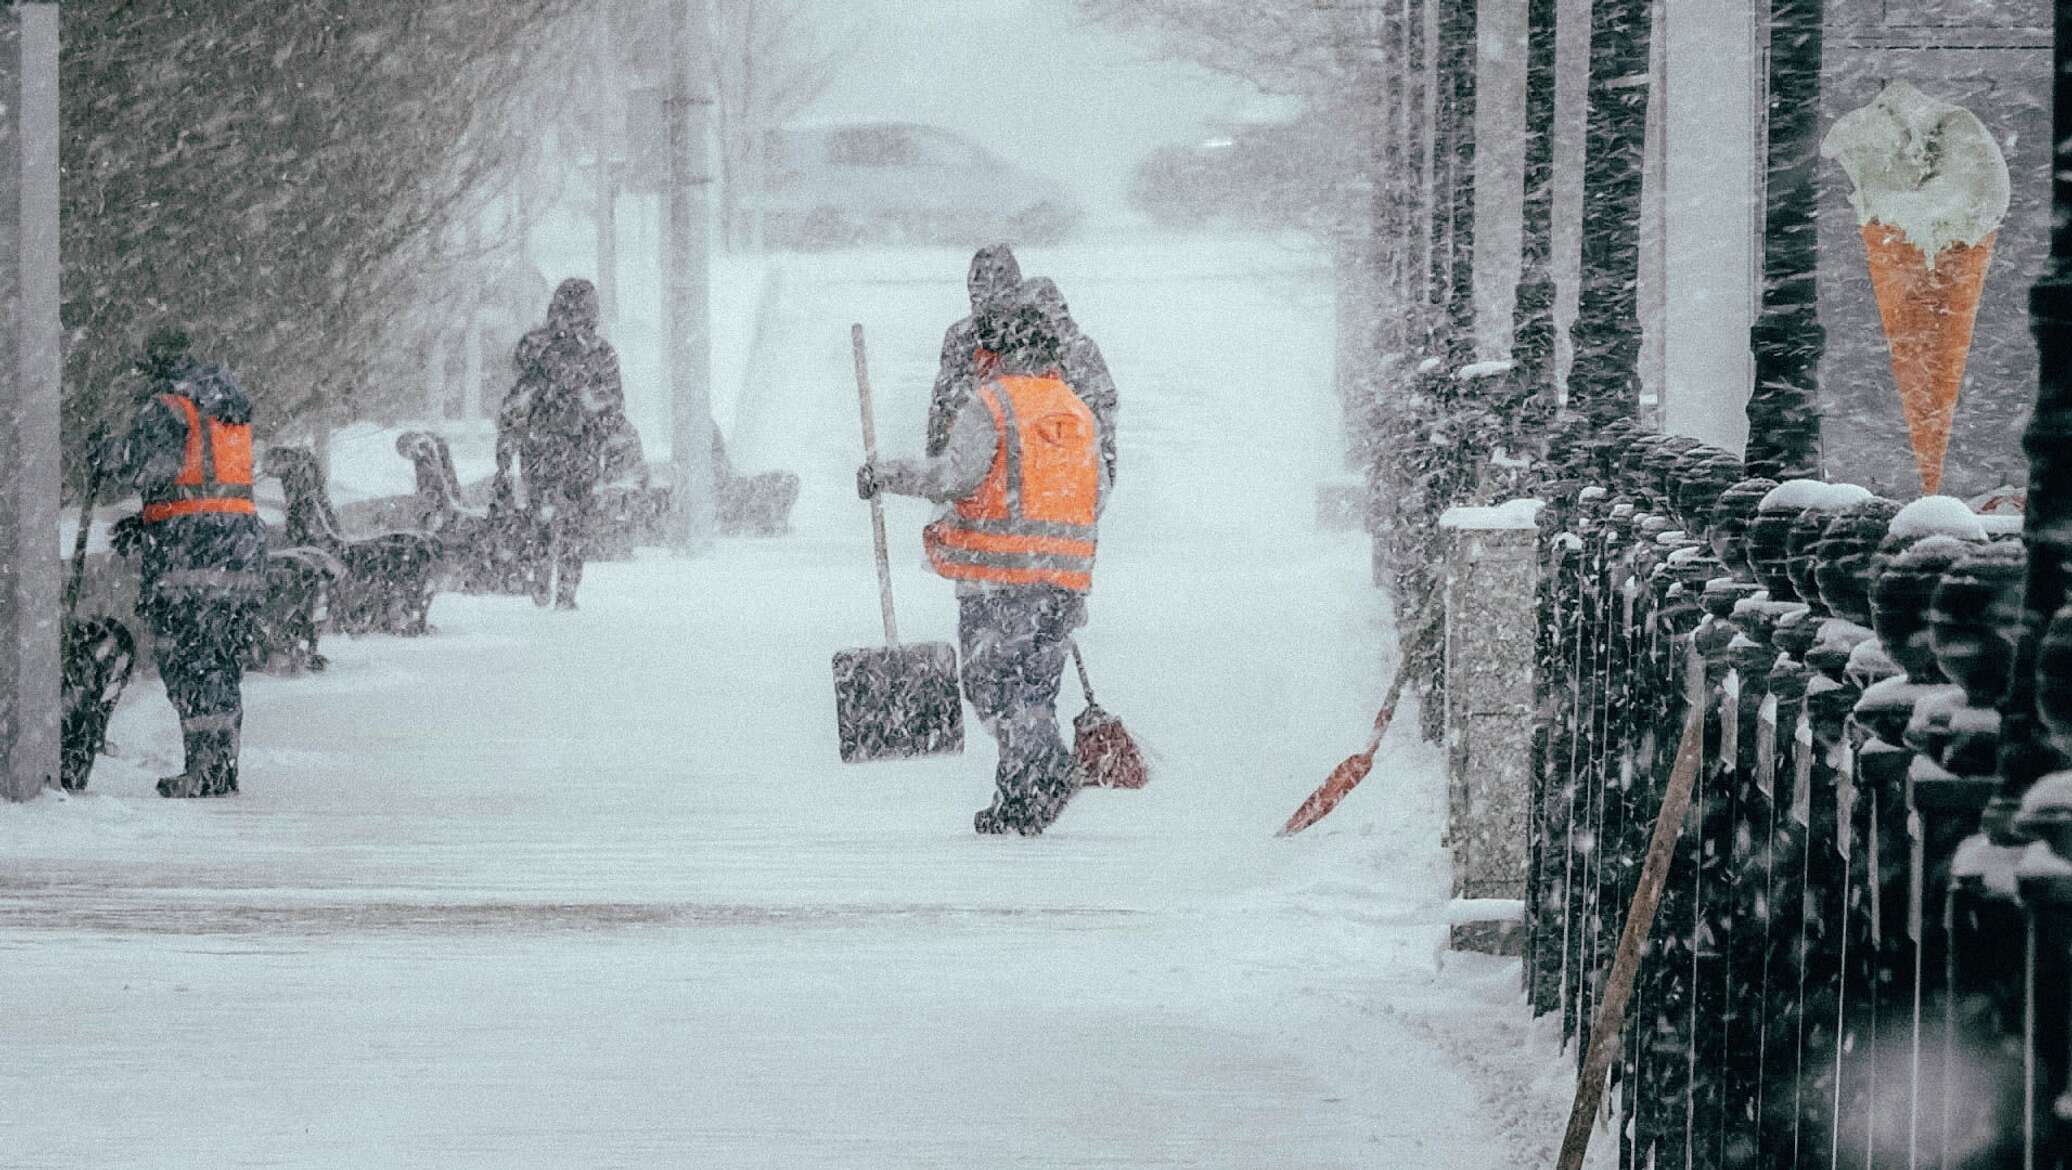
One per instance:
(605, 133)
(471, 320)
(688, 313)
(31, 609)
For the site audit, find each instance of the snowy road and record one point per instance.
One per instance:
(591, 889)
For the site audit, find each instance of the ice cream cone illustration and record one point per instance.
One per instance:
(1931, 190)
(1928, 314)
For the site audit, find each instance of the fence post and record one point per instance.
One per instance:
(1913, 566)
(30, 608)
(1492, 575)
(1729, 656)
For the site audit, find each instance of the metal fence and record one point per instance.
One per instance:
(1863, 956)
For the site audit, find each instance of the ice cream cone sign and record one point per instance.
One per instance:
(1931, 190)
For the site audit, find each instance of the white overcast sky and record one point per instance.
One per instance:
(1028, 79)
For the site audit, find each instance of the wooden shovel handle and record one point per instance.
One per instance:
(1640, 918)
(92, 488)
(870, 455)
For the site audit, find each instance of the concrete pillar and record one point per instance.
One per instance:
(31, 615)
(688, 311)
(471, 390)
(438, 395)
(1712, 210)
(1492, 579)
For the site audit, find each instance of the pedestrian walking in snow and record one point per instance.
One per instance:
(994, 282)
(1085, 370)
(200, 545)
(558, 420)
(1022, 477)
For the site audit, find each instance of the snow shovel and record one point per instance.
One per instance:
(892, 701)
(98, 654)
(1348, 774)
(1354, 768)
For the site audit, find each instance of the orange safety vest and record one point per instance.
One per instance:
(1032, 522)
(215, 472)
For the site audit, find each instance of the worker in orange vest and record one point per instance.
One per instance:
(1023, 482)
(201, 546)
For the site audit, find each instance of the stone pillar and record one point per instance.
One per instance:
(30, 607)
(1492, 582)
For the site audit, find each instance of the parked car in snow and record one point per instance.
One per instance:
(1250, 175)
(896, 182)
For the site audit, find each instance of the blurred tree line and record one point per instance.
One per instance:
(275, 178)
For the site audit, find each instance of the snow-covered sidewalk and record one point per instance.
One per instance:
(591, 889)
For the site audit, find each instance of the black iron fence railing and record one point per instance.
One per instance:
(1863, 956)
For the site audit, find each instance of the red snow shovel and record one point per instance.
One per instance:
(1104, 750)
(1347, 776)
(893, 701)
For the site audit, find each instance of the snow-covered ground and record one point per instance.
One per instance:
(592, 889)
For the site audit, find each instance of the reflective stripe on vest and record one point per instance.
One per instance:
(215, 468)
(1031, 521)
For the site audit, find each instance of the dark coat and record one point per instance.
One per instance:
(560, 414)
(1086, 371)
(956, 382)
(202, 558)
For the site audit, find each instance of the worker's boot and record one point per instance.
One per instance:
(1007, 814)
(193, 780)
(543, 585)
(222, 766)
(1050, 794)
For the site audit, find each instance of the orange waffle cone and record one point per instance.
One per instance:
(1928, 315)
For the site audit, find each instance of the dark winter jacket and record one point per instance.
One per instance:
(956, 381)
(1085, 370)
(203, 557)
(559, 415)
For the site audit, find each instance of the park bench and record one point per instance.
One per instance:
(387, 582)
(750, 505)
(480, 550)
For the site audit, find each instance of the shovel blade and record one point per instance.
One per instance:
(1342, 780)
(898, 702)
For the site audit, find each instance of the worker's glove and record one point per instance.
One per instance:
(866, 482)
